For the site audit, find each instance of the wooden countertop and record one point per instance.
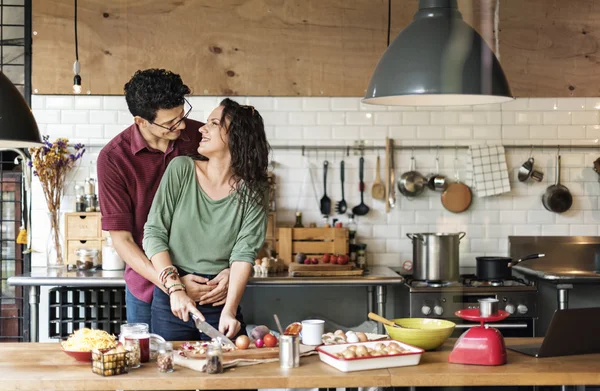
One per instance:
(27, 366)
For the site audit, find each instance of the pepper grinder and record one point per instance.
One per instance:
(90, 195)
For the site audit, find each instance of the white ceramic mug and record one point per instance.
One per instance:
(312, 331)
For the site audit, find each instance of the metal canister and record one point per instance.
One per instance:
(289, 351)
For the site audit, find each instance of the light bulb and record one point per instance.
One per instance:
(77, 84)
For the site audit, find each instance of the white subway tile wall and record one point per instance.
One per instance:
(94, 120)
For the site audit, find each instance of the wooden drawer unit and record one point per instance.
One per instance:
(73, 245)
(83, 226)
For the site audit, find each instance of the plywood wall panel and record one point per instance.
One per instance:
(298, 47)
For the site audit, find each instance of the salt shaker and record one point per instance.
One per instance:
(214, 358)
(164, 360)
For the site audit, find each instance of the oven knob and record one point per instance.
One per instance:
(426, 310)
(510, 308)
(438, 310)
(522, 309)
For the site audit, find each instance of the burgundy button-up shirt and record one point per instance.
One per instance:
(129, 172)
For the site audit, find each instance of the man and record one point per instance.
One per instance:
(130, 168)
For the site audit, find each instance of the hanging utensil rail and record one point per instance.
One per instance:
(347, 148)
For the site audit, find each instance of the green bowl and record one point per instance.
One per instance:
(427, 334)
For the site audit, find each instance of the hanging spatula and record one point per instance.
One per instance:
(325, 201)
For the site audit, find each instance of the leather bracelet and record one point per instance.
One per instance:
(166, 272)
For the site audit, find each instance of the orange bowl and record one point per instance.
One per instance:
(79, 356)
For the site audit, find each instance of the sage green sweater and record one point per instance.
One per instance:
(202, 235)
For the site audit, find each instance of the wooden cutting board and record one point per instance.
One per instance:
(297, 267)
(327, 273)
(252, 353)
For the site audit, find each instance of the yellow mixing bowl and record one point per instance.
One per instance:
(427, 334)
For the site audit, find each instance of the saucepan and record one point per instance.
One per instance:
(412, 183)
(499, 268)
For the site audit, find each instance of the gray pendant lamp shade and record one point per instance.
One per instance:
(438, 60)
(18, 128)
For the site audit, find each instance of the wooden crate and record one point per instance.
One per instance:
(314, 242)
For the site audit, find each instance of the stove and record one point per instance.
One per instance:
(441, 299)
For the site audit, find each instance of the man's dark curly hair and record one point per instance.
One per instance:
(151, 90)
(249, 151)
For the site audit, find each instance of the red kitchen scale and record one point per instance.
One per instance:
(480, 345)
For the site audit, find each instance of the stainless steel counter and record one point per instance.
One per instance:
(375, 280)
(560, 275)
(377, 275)
(568, 260)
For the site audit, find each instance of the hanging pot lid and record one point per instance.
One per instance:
(438, 60)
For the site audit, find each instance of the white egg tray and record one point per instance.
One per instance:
(412, 356)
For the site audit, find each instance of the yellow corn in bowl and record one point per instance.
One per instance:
(427, 334)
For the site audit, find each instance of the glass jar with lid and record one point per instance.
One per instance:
(87, 258)
(214, 358)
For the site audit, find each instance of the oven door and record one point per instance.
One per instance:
(524, 327)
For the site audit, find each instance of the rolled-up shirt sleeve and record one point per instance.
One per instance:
(158, 226)
(251, 237)
(115, 206)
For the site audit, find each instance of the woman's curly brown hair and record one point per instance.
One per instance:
(249, 150)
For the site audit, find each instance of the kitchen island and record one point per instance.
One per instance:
(376, 280)
(34, 366)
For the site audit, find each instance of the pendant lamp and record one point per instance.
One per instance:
(438, 60)
(18, 128)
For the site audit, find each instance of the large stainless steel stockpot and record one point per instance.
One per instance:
(436, 256)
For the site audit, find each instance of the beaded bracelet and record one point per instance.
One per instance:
(176, 290)
(175, 277)
(175, 285)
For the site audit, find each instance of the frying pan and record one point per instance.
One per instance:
(457, 197)
(557, 198)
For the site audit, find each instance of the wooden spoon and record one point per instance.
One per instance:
(383, 320)
(378, 189)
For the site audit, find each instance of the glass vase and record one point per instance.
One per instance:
(54, 253)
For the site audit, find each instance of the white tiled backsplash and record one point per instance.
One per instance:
(94, 120)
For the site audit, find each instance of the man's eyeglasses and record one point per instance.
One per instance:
(176, 124)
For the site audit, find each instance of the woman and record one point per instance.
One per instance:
(209, 213)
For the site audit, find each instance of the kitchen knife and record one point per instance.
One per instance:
(207, 329)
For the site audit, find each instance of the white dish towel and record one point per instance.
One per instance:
(486, 167)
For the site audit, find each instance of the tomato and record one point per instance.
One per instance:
(270, 340)
(242, 342)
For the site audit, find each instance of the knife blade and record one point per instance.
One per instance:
(207, 329)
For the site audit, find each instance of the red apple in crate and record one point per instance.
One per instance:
(333, 259)
(326, 258)
(343, 259)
